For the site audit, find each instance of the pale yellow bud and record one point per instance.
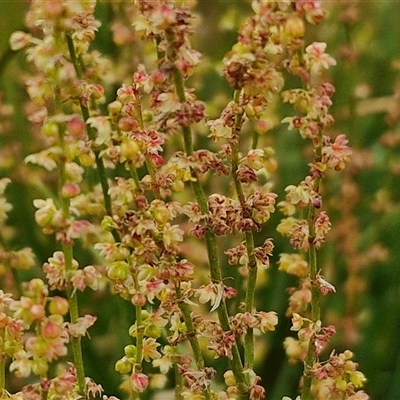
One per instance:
(294, 28)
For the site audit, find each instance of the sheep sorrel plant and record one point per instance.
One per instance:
(162, 220)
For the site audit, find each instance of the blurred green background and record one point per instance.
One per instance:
(362, 256)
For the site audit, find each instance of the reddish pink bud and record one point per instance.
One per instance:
(97, 92)
(139, 300)
(51, 330)
(37, 311)
(157, 159)
(139, 382)
(127, 124)
(70, 190)
(76, 127)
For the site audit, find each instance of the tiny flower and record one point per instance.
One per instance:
(316, 59)
(150, 349)
(21, 367)
(22, 259)
(103, 128)
(268, 321)
(219, 130)
(172, 235)
(323, 286)
(293, 264)
(80, 327)
(92, 388)
(297, 322)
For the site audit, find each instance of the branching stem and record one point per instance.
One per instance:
(211, 242)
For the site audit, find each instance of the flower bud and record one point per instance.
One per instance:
(37, 311)
(153, 332)
(51, 330)
(87, 159)
(161, 213)
(229, 378)
(340, 385)
(127, 124)
(357, 378)
(294, 28)
(50, 129)
(19, 40)
(107, 223)
(139, 300)
(118, 271)
(76, 127)
(36, 345)
(97, 92)
(115, 107)
(39, 366)
(37, 286)
(130, 351)
(129, 148)
(70, 190)
(139, 382)
(123, 366)
(58, 305)
(178, 186)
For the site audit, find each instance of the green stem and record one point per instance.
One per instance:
(178, 384)
(44, 394)
(316, 316)
(194, 343)
(134, 176)
(315, 294)
(149, 162)
(74, 315)
(249, 239)
(139, 335)
(139, 327)
(211, 242)
(68, 262)
(80, 69)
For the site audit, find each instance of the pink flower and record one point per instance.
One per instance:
(81, 326)
(316, 59)
(336, 154)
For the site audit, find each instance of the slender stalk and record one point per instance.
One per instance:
(149, 162)
(315, 294)
(68, 263)
(80, 69)
(76, 344)
(211, 242)
(249, 239)
(178, 383)
(315, 315)
(134, 176)
(139, 328)
(73, 307)
(194, 343)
